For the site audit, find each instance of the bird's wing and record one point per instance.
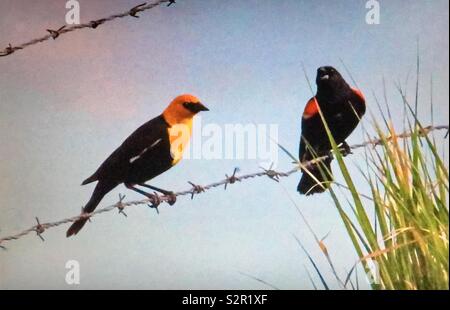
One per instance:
(361, 102)
(140, 141)
(311, 108)
(359, 93)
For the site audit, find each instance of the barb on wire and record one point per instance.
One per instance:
(153, 206)
(135, 10)
(196, 189)
(53, 34)
(9, 50)
(231, 179)
(95, 23)
(120, 205)
(39, 229)
(272, 174)
(155, 200)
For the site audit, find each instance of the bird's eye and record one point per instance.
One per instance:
(189, 106)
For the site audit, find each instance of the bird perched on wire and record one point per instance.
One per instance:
(152, 149)
(342, 107)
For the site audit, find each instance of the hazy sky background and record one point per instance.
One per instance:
(65, 105)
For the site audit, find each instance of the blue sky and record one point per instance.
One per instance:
(66, 104)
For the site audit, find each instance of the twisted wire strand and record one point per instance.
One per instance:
(156, 200)
(92, 24)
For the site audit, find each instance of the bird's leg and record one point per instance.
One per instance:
(345, 149)
(137, 190)
(170, 194)
(162, 191)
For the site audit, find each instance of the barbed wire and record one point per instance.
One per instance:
(54, 34)
(156, 200)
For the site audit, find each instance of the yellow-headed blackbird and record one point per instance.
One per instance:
(342, 107)
(152, 149)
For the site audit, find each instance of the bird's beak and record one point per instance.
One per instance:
(201, 107)
(324, 77)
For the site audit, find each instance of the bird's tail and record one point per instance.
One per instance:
(100, 191)
(91, 179)
(310, 185)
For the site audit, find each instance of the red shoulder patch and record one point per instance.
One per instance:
(311, 108)
(359, 94)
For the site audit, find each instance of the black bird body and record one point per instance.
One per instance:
(342, 108)
(149, 151)
(142, 156)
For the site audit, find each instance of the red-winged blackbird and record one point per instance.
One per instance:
(152, 149)
(342, 107)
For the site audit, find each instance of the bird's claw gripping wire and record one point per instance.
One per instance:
(171, 198)
(345, 149)
(168, 196)
(171, 2)
(39, 229)
(136, 10)
(329, 155)
(120, 205)
(55, 33)
(196, 189)
(155, 201)
(232, 179)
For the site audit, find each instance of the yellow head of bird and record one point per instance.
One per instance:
(183, 108)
